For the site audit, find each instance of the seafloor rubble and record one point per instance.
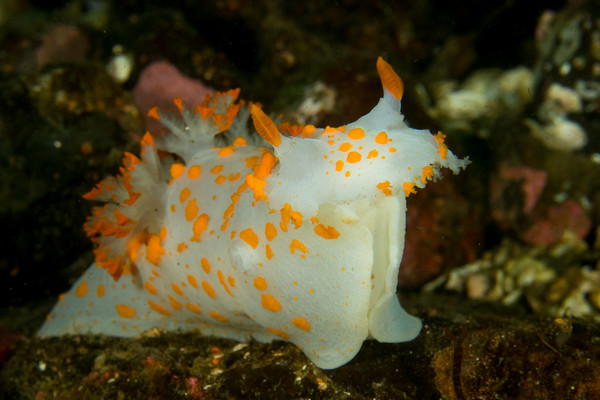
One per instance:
(467, 350)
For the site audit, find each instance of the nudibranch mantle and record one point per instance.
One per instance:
(297, 237)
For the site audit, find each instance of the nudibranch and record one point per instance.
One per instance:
(296, 234)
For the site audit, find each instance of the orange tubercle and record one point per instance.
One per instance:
(443, 150)
(409, 188)
(385, 187)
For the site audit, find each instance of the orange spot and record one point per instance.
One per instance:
(193, 308)
(154, 249)
(308, 131)
(205, 265)
(82, 289)
(260, 283)
(353, 157)
(372, 154)
(150, 288)
(220, 179)
(176, 170)
(289, 129)
(356, 133)
(283, 226)
(389, 79)
(174, 303)
(192, 280)
(265, 126)
(200, 225)
(427, 173)
(191, 210)
(443, 150)
(381, 138)
(345, 147)
(251, 161)
(194, 172)
(297, 245)
(268, 252)
(228, 211)
(184, 194)
(327, 232)
(329, 130)
(209, 289)
(257, 186)
(270, 303)
(339, 165)
(301, 323)
(177, 289)
(270, 231)
(392, 149)
(218, 317)
(134, 247)
(158, 308)
(222, 282)
(239, 141)
(181, 247)
(225, 151)
(216, 169)
(409, 188)
(248, 236)
(125, 311)
(278, 332)
(234, 177)
(267, 163)
(385, 187)
(288, 214)
(100, 290)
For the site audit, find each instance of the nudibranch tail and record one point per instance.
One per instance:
(296, 236)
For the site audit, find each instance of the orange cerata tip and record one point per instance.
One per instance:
(178, 101)
(265, 126)
(390, 79)
(147, 139)
(153, 113)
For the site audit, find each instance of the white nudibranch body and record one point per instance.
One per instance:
(299, 238)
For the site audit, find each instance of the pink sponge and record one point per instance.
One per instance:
(159, 83)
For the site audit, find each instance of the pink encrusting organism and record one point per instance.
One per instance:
(297, 237)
